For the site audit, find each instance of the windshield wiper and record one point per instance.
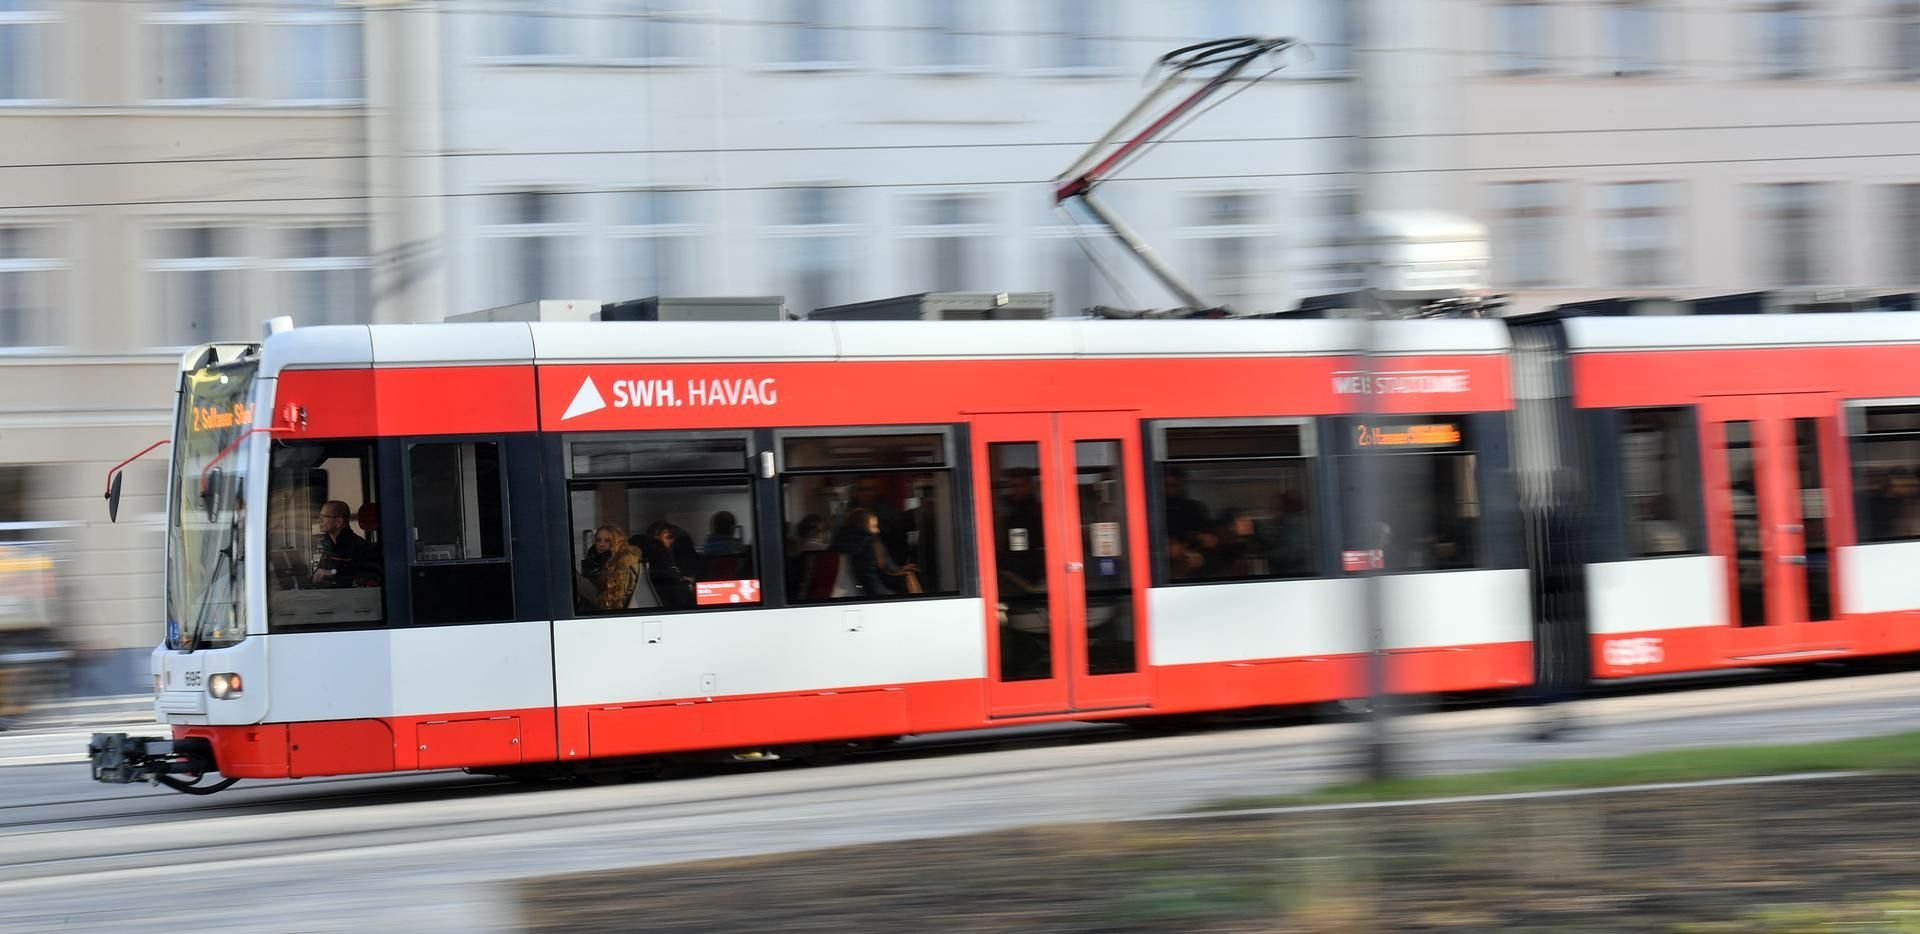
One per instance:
(224, 555)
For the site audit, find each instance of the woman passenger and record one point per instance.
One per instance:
(617, 567)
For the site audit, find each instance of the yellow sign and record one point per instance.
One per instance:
(1437, 435)
(211, 418)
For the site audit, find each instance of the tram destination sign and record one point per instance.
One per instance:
(1403, 382)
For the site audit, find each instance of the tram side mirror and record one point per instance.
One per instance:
(113, 497)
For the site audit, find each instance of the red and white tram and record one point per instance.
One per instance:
(390, 546)
(1024, 469)
(1756, 478)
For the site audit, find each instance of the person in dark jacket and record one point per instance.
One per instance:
(670, 581)
(341, 558)
(869, 563)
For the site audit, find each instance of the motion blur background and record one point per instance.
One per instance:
(178, 172)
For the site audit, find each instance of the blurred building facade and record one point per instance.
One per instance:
(170, 173)
(1686, 149)
(173, 172)
(838, 150)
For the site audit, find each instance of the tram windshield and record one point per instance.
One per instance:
(206, 605)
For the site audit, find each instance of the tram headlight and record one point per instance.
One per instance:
(159, 684)
(224, 685)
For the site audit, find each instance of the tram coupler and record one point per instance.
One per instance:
(122, 759)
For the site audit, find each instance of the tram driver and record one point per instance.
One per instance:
(340, 557)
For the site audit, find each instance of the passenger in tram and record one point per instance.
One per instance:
(686, 555)
(869, 494)
(659, 551)
(724, 556)
(869, 565)
(341, 558)
(1239, 552)
(1292, 536)
(804, 547)
(723, 536)
(616, 572)
(1188, 519)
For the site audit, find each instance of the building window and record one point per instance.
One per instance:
(326, 569)
(1521, 34)
(1785, 40)
(1903, 36)
(323, 54)
(1229, 245)
(457, 514)
(1527, 220)
(663, 522)
(1639, 232)
(27, 39)
(954, 237)
(656, 240)
(529, 233)
(1886, 471)
(817, 240)
(199, 272)
(28, 269)
(197, 48)
(870, 516)
(1791, 216)
(1660, 475)
(655, 32)
(1906, 238)
(1633, 37)
(1236, 501)
(325, 275)
(1429, 519)
(527, 30)
(948, 40)
(812, 35)
(1075, 26)
(1331, 252)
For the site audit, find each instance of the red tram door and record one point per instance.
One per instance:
(1060, 500)
(1770, 496)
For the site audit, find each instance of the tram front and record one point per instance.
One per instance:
(207, 672)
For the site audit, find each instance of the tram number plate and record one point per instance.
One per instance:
(1628, 653)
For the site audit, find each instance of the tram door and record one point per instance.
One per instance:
(1770, 491)
(1061, 504)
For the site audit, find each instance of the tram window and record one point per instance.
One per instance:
(869, 516)
(1427, 508)
(1236, 502)
(324, 540)
(1886, 471)
(662, 522)
(460, 569)
(1660, 477)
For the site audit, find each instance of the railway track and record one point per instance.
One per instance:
(84, 810)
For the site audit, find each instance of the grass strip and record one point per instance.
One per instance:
(1897, 752)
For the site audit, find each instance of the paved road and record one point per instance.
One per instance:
(421, 852)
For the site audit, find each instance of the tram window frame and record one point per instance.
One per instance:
(746, 480)
(1482, 552)
(1860, 438)
(428, 609)
(1161, 458)
(956, 510)
(372, 486)
(1685, 502)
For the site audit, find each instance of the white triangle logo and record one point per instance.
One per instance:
(586, 400)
